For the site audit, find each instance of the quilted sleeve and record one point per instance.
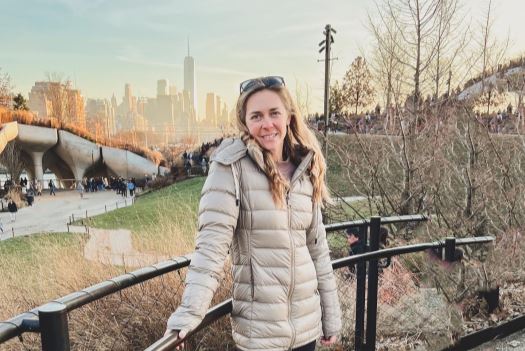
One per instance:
(318, 247)
(218, 215)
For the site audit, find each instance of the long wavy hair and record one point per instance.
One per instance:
(299, 140)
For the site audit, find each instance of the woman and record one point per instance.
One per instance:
(13, 209)
(263, 195)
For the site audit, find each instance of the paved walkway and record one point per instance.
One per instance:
(115, 247)
(51, 213)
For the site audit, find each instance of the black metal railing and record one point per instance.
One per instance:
(371, 254)
(51, 319)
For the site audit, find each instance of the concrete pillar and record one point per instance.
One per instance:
(37, 162)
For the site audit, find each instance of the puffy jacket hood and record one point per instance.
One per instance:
(230, 151)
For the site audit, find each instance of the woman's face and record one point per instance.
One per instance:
(267, 119)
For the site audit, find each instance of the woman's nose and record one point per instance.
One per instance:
(266, 122)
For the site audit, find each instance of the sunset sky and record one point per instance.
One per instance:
(103, 44)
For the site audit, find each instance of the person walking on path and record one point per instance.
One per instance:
(39, 188)
(80, 189)
(13, 209)
(51, 185)
(262, 202)
(131, 188)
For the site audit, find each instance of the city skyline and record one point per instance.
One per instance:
(102, 45)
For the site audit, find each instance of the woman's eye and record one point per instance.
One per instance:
(276, 113)
(255, 117)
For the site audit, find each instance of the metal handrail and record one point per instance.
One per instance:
(169, 341)
(28, 321)
(51, 319)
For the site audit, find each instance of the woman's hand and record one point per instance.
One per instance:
(180, 335)
(328, 340)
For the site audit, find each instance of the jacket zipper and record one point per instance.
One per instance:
(292, 269)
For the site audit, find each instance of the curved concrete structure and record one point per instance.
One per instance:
(36, 141)
(77, 152)
(8, 132)
(126, 163)
(69, 155)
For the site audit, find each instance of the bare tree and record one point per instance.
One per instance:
(10, 157)
(302, 97)
(59, 97)
(338, 100)
(451, 39)
(5, 90)
(388, 71)
(357, 85)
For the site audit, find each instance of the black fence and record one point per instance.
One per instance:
(51, 319)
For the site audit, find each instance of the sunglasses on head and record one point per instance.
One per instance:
(261, 82)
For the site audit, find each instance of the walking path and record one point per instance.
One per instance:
(115, 247)
(52, 213)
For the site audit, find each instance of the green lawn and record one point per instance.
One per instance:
(162, 221)
(27, 248)
(179, 200)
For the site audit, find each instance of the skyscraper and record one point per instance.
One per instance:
(189, 78)
(162, 87)
(210, 109)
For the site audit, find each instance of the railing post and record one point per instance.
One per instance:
(361, 290)
(373, 278)
(54, 327)
(450, 249)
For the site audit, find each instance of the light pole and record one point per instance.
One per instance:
(326, 47)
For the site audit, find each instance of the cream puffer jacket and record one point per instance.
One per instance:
(284, 287)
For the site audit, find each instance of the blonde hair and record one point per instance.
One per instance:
(297, 142)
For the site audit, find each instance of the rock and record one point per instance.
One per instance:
(514, 343)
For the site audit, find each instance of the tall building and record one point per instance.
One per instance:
(189, 78)
(57, 100)
(162, 87)
(128, 98)
(100, 117)
(218, 107)
(210, 109)
(39, 102)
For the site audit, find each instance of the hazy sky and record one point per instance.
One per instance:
(103, 44)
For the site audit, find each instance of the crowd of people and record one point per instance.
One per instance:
(28, 190)
(199, 158)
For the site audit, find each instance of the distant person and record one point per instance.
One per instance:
(30, 196)
(187, 167)
(39, 188)
(13, 209)
(131, 188)
(204, 166)
(80, 189)
(51, 185)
